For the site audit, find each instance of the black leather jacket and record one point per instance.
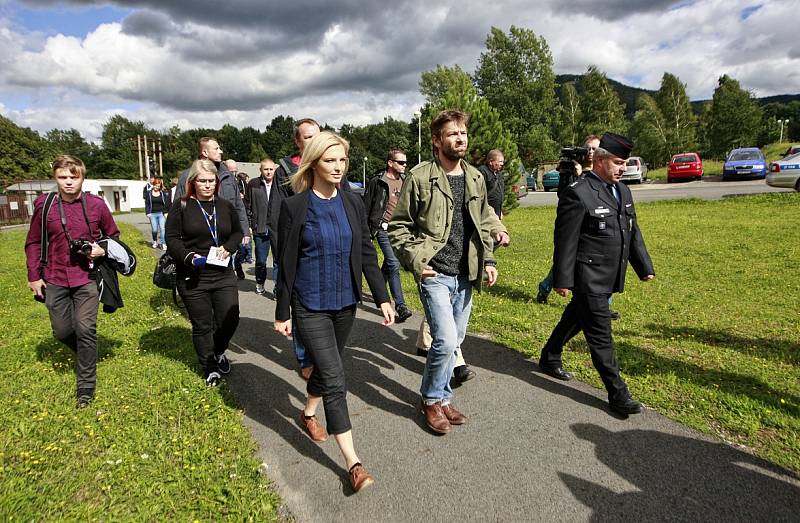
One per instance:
(376, 196)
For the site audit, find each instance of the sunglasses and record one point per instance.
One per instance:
(401, 162)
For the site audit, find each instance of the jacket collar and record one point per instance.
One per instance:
(439, 178)
(603, 193)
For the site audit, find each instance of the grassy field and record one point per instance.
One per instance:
(712, 342)
(155, 445)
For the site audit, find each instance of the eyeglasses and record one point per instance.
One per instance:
(206, 182)
(401, 162)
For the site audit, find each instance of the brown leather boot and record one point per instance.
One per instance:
(435, 418)
(453, 416)
(314, 428)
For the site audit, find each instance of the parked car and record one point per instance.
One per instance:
(745, 163)
(357, 187)
(530, 181)
(550, 180)
(685, 165)
(791, 151)
(785, 173)
(635, 171)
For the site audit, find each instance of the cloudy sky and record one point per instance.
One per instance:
(74, 63)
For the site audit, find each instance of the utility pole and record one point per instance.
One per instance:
(146, 159)
(139, 156)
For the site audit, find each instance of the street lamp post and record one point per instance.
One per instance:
(418, 116)
(781, 122)
(365, 172)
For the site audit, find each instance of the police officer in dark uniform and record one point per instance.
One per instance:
(596, 235)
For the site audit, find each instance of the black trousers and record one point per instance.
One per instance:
(212, 304)
(588, 313)
(324, 334)
(73, 317)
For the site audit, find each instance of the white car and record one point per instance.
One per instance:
(635, 170)
(785, 173)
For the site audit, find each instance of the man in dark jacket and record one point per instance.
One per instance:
(492, 172)
(265, 202)
(595, 236)
(380, 199)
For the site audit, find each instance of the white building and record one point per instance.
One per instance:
(120, 195)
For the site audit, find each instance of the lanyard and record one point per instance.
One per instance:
(209, 217)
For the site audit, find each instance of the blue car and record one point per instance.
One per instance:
(550, 180)
(745, 163)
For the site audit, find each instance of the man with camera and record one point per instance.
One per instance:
(596, 235)
(61, 249)
(575, 162)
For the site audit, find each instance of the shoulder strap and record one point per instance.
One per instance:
(48, 203)
(286, 167)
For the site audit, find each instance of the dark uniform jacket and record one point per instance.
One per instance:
(495, 188)
(595, 238)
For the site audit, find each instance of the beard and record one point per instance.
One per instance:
(452, 154)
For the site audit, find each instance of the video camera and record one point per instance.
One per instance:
(575, 154)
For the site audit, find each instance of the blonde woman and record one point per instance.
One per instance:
(324, 247)
(202, 232)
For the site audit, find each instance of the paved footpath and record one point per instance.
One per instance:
(534, 448)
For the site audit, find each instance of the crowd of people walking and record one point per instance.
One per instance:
(442, 221)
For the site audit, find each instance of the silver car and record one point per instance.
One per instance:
(636, 170)
(785, 173)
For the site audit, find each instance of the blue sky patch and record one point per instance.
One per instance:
(749, 10)
(69, 21)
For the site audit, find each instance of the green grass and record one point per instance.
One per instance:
(712, 342)
(155, 445)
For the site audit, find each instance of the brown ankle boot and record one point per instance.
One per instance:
(435, 418)
(453, 416)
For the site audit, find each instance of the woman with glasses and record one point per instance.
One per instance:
(324, 245)
(202, 232)
(157, 202)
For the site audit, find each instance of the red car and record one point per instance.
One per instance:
(685, 165)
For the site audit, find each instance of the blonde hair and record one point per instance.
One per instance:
(198, 167)
(303, 179)
(72, 163)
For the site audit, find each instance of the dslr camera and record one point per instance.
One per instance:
(80, 246)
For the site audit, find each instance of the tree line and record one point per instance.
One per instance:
(515, 101)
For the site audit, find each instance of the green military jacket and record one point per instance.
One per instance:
(421, 221)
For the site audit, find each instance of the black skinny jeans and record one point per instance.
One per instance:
(212, 303)
(323, 334)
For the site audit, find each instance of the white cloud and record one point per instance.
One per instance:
(356, 62)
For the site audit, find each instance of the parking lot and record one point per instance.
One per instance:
(712, 188)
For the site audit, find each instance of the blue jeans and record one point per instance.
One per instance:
(262, 251)
(157, 223)
(242, 253)
(390, 267)
(447, 301)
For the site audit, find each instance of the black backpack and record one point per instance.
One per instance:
(164, 276)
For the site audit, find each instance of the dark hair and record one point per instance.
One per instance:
(302, 121)
(394, 152)
(201, 144)
(72, 163)
(445, 117)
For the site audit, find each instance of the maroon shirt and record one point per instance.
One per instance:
(64, 269)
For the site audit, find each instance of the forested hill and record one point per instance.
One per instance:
(628, 95)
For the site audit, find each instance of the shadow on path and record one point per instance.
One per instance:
(681, 479)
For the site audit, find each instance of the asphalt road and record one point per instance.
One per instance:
(534, 449)
(707, 189)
